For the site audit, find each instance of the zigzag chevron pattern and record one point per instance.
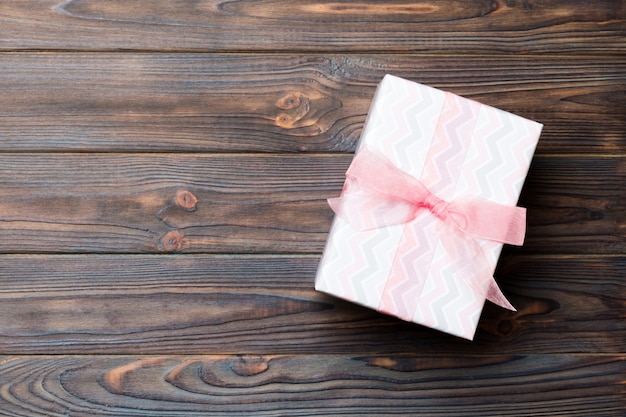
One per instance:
(454, 307)
(455, 147)
(414, 253)
(357, 275)
(499, 156)
(445, 156)
(442, 168)
(403, 121)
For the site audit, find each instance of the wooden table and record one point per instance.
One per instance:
(164, 167)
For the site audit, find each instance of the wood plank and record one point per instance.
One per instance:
(277, 103)
(210, 385)
(163, 171)
(562, 204)
(71, 304)
(533, 26)
(135, 203)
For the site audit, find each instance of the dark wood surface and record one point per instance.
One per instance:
(164, 167)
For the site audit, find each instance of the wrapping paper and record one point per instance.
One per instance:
(457, 148)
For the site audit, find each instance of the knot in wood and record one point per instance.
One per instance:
(506, 327)
(173, 241)
(296, 107)
(290, 101)
(249, 365)
(186, 200)
(285, 121)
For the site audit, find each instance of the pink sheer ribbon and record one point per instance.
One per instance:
(379, 194)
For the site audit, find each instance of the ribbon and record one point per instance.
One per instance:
(379, 194)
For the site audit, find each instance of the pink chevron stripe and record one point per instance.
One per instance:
(404, 286)
(450, 145)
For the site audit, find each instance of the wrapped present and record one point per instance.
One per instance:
(429, 200)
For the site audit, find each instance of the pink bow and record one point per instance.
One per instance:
(379, 194)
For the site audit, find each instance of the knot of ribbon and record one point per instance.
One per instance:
(379, 194)
(436, 206)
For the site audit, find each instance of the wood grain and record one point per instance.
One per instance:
(317, 385)
(128, 203)
(115, 203)
(164, 167)
(259, 304)
(135, 102)
(481, 26)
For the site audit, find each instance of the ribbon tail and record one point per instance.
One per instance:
(335, 205)
(494, 294)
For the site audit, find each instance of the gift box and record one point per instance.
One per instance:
(429, 200)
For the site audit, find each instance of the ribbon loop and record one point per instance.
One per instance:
(380, 194)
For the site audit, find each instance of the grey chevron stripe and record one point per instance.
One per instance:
(359, 281)
(453, 294)
(496, 158)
